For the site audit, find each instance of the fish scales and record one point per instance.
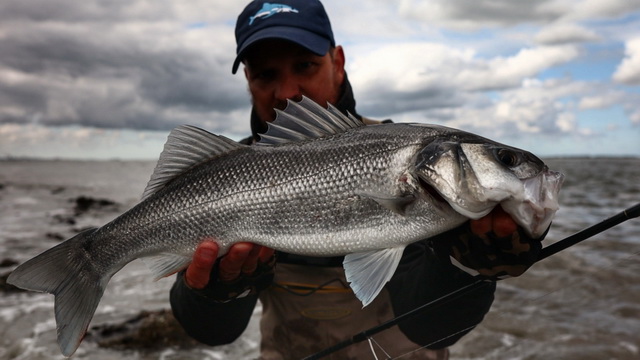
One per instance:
(318, 184)
(310, 201)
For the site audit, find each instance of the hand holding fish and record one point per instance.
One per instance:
(245, 267)
(492, 246)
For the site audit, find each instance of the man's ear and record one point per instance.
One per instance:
(338, 63)
(246, 72)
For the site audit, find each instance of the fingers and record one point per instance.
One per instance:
(503, 225)
(204, 258)
(482, 225)
(265, 254)
(243, 258)
(232, 264)
(493, 245)
(497, 221)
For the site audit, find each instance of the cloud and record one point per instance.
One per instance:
(602, 100)
(598, 9)
(635, 117)
(16, 133)
(535, 107)
(564, 33)
(32, 140)
(469, 15)
(628, 72)
(506, 72)
(138, 66)
(610, 97)
(494, 67)
(429, 75)
(472, 15)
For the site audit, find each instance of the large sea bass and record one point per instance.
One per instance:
(318, 184)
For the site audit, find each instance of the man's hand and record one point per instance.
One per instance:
(242, 260)
(494, 246)
(497, 221)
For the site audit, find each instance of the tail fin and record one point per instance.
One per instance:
(66, 271)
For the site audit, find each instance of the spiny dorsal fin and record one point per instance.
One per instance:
(306, 120)
(186, 147)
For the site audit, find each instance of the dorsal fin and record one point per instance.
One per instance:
(186, 147)
(306, 120)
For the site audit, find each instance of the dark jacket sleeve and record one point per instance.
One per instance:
(422, 277)
(210, 322)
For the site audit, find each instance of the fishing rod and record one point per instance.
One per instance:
(630, 213)
(480, 282)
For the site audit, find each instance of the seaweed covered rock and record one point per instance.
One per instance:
(149, 330)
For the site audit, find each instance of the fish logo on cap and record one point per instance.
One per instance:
(269, 10)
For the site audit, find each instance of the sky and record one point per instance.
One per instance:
(110, 79)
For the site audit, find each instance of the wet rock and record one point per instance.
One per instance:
(8, 262)
(4, 287)
(7, 288)
(55, 236)
(85, 203)
(64, 219)
(149, 330)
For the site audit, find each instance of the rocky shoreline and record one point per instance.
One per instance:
(148, 330)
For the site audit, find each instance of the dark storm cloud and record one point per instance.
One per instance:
(505, 12)
(375, 100)
(83, 11)
(154, 65)
(112, 64)
(473, 14)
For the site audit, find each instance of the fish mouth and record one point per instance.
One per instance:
(537, 206)
(532, 204)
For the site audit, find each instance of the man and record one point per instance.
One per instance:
(288, 51)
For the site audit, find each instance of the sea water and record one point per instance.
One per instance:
(582, 303)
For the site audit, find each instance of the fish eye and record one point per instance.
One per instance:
(508, 158)
(523, 165)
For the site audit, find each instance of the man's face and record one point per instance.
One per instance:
(278, 70)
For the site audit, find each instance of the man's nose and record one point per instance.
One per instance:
(288, 88)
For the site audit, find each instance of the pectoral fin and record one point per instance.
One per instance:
(368, 272)
(397, 204)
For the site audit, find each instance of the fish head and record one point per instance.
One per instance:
(475, 175)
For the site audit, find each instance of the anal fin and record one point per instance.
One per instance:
(368, 272)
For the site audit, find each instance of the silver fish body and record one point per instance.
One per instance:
(318, 198)
(320, 184)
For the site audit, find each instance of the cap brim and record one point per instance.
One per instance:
(313, 42)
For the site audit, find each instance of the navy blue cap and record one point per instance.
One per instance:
(304, 22)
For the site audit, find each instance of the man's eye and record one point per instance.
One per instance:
(264, 75)
(304, 65)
